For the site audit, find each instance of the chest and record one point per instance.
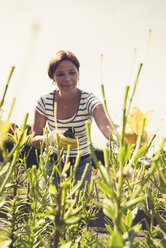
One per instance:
(66, 111)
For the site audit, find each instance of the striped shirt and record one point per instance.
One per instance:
(88, 102)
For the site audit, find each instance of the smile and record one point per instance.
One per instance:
(67, 85)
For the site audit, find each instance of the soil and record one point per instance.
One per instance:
(98, 224)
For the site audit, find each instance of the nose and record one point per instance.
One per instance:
(67, 77)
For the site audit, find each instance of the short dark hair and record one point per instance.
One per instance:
(61, 56)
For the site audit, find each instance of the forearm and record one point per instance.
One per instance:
(103, 122)
(37, 140)
(106, 131)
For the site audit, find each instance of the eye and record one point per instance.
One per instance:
(72, 73)
(59, 74)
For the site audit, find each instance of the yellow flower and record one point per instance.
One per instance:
(134, 124)
(17, 134)
(135, 121)
(4, 127)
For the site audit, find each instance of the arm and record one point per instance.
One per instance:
(102, 121)
(37, 129)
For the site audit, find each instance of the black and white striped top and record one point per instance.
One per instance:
(87, 104)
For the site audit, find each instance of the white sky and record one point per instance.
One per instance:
(32, 31)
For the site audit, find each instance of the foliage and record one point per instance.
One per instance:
(35, 214)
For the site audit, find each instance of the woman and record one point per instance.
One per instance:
(74, 107)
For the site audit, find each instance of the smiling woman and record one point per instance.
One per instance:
(68, 96)
(66, 108)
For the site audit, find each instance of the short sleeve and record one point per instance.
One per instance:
(92, 102)
(40, 106)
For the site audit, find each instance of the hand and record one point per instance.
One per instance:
(63, 141)
(52, 136)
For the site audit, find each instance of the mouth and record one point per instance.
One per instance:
(67, 85)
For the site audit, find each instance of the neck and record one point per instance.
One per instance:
(68, 96)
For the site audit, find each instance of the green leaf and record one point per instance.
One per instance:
(4, 169)
(134, 212)
(129, 237)
(52, 190)
(67, 245)
(106, 189)
(103, 171)
(129, 218)
(7, 208)
(10, 185)
(133, 202)
(92, 184)
(110, 208)
(140, 153)
(109, 228)
(2, 201)
(72, 219)
(116, 240)
(40, 223)
(66, 167)
(124, 153)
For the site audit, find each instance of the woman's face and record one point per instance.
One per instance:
(66, 75)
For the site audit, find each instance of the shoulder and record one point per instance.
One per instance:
(46, 97)
(90, 100)
(44, 101)
(87, 95)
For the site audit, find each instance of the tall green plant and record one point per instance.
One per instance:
(124, 179)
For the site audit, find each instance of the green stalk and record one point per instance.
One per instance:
(106, 160)
(19, 141)
(138, 144)
(124, 118)
(14, 151)
(57, 219)
(6, 86)
(160, 220)
(120, 184)
(10, 170)
(80, 182)
(134, 89)
(93, 155)
(109, 117)
(151, 170)
(76, 165)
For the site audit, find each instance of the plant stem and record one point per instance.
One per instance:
(6, 86)
(109, 117)
(124, 118)
(138, 145)
(57, 219)
(15, 152)
(134, 89)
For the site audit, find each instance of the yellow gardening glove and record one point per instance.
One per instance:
(68, 138)
(63, 140)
